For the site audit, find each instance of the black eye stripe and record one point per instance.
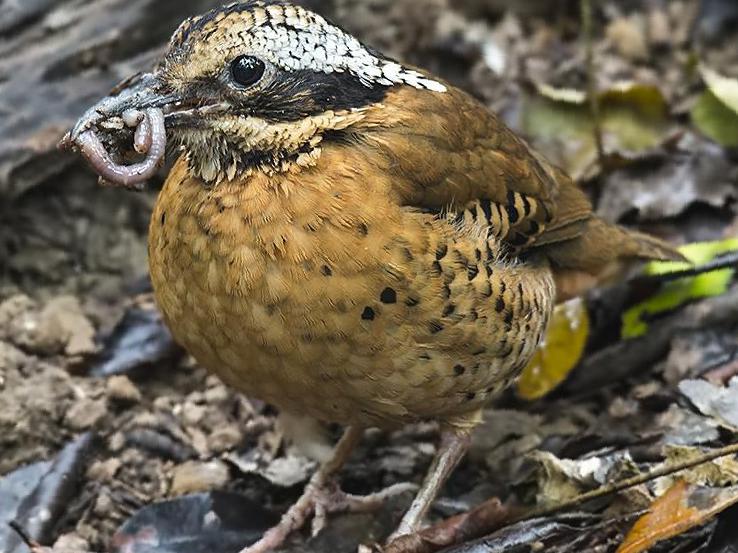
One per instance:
(247, 70)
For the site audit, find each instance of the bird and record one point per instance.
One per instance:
(347, 237)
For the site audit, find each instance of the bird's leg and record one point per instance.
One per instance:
(322, 496)
(454, 444)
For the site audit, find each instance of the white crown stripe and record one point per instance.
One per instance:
(293, 39)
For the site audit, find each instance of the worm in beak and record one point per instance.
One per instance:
(150, 138)
(138, 105)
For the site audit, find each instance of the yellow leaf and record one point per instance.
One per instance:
(559, 353)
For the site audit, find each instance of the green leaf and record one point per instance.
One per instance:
(715, 120)
(634, 117)
(716, 112)
(676, 293)
(724, 88)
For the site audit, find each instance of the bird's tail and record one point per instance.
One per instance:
(602, 253)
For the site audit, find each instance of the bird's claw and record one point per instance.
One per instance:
(319, 500)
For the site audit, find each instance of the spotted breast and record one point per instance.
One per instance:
(320, 293)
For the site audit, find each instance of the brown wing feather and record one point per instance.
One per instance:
(450, 153)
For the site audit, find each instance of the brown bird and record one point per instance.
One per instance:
(346, 237)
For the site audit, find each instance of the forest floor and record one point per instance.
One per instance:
(111, 436)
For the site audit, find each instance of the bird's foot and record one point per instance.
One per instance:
(320, 499)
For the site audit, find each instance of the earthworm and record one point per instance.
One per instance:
(150, 138)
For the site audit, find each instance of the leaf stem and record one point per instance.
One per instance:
(594, 101)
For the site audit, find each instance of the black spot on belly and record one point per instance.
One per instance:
(459, 370)
(472, 271)
(441, 251)
(449, 310)
(506, 349)
(435, 327)
(368, 314)
(363, 229)
(388, 295)
(163, 217)
(411, 302)
(326, 270)
(508, 319)
(521, 347)
(500, 305)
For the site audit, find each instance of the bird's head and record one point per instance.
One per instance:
(258, 85)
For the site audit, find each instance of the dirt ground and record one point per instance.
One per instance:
(102, 415)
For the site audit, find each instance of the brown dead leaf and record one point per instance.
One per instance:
(681, 508)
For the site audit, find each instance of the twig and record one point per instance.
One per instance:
(615, 487)
(594, 101)
(492, 515)
(23, 535)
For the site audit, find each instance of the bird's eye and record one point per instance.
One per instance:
(247, 70)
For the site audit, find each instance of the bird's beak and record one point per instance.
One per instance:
(139, 93)
(137, 103)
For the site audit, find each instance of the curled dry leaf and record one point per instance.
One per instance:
(680, 509)
(139, 340)
(665, 182)
(561, 480)
(718, 402)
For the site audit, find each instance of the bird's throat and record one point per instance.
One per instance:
(233, 147)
